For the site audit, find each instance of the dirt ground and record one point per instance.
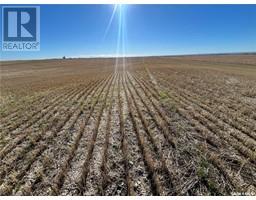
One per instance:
(183, 125)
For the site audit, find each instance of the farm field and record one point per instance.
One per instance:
(182, 125)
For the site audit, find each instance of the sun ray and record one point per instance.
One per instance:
(119, 35)
(123, 38)
(110, 21)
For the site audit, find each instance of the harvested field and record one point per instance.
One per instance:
(158, 126)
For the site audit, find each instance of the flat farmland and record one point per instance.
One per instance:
(182, 125)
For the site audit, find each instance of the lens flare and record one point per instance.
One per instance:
(119, 9)
(121, 33)
(110, 21)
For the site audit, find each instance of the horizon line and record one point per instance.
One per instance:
(132, 56)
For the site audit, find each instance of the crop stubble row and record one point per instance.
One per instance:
(115, 136)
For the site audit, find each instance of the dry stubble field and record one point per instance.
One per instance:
(159, 126)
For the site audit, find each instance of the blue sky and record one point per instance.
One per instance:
(78, 30)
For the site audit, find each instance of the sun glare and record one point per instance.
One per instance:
(118, 13)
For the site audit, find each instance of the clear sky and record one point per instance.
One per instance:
(85, 30)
